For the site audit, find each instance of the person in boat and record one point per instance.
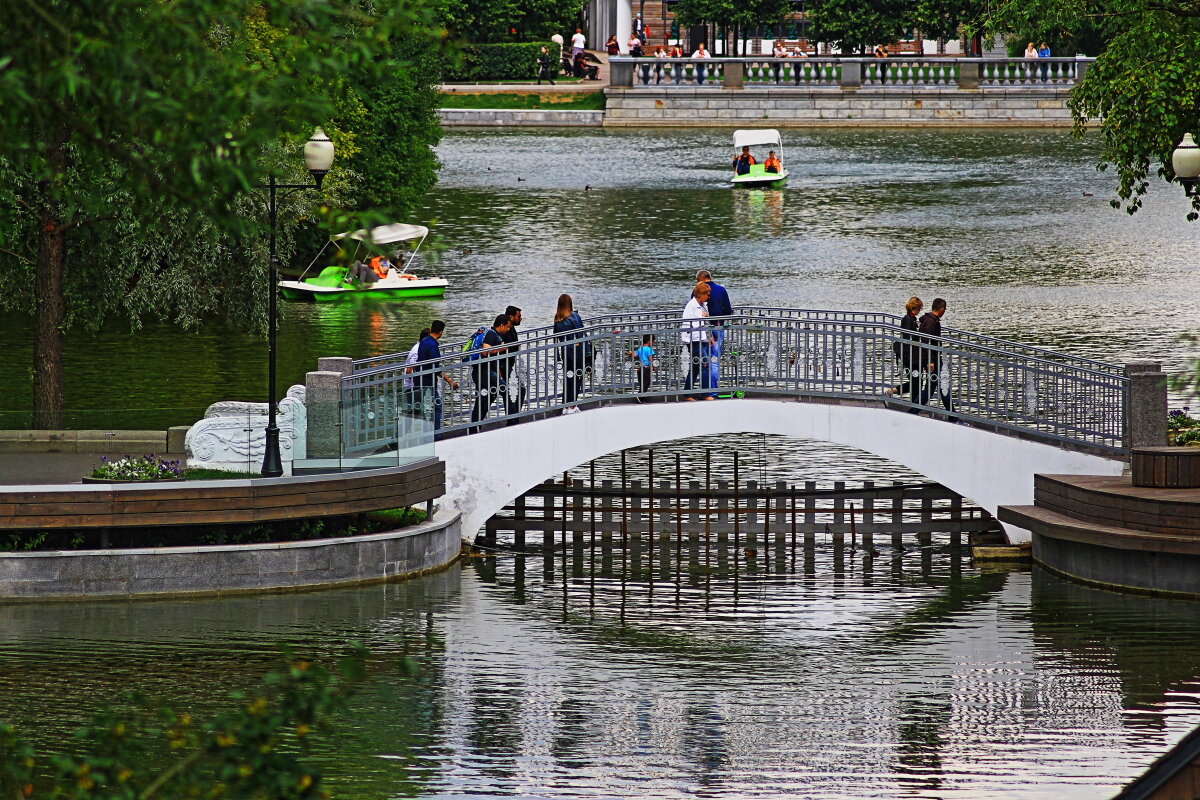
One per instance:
(773, 164)
(380, 266)
(364, 274)
(743, 161)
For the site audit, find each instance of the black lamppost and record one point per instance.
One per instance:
(1185, 161)
(318, 155)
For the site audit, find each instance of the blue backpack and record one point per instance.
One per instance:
(474, 345)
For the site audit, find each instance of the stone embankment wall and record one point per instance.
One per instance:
(520, 117)
(890, 106)
(214, 570)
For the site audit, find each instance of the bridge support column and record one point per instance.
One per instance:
(323, 396)
(1146, 412)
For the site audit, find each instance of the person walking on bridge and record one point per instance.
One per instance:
(489, 370)
(908, 354)
(426, 380)
(697, 336)
(718, 306)
(933, 360)
(517, 389)
(576, 352)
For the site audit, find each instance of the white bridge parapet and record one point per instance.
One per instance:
(485, 471)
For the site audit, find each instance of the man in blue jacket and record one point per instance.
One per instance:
(718, 306)
(425, 381)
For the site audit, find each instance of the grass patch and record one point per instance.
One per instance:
(205, 474)
(592, 101)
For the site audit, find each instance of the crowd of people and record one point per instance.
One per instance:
(492, 357)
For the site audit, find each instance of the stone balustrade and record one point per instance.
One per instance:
(849, 73)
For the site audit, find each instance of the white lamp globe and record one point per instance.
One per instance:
(1186, 158)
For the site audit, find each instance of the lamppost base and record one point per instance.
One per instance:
(272, 466)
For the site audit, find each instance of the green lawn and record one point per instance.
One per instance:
(592, 101)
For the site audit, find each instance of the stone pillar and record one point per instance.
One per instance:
(851, 74)
(323, 396)
(734, 76)
(969, 75)
(624, 24)
(1081, 67)
(1146, 409)
(620, 72)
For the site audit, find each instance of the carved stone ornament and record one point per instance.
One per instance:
(232, 436)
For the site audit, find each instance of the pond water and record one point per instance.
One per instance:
(1012, 227)
(815, 673)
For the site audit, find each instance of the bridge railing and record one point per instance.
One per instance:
(766, 354)
(626, 319)
(851, 72)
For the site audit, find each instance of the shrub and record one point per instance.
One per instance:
(1180, 421)
(1188, 437)
(500, 62)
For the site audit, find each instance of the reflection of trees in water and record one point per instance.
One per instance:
(1150, 645)
(922, 733)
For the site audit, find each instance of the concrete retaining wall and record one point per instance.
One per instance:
(503, 117)
(89, 442)
(888, 106)
(166, 571)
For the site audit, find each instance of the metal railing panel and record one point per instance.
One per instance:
(771, 352)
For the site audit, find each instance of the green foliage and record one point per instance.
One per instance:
(1143, 90)
(494, 62)
(492, 21)
(1180, 421)
(941, 19)
(1190, 438)
(589, 101)
(138, 468)
(856, 27)
(256, 749)
(746, 13)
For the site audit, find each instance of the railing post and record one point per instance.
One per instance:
(969, 75)
(620, 72)
(1081, 67)
(733, 75)
(851, 74)
(1146, 412)
(322, 401)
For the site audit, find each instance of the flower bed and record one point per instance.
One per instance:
(1183, 429)
(138, 468)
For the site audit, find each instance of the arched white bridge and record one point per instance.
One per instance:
(1002, 410)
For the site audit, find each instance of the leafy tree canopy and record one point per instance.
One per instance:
(135, 133)
(1143, 89)
(942, 19)
(854, 26)
(746, 13)
(487, 22)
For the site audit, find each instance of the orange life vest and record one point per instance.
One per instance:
(377, 265)
(772, 162)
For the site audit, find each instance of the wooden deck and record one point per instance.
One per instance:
(76, 506)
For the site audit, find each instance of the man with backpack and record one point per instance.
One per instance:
(489, 371)
(516, 392)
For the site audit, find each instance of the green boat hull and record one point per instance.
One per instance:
(337, 289)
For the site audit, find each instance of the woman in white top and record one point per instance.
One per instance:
(697, 336)
(779, 51)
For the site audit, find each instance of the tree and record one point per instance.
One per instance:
(135, 133)
(854, 26)
(487, 22)
(1143, 89)
(942, 19)
(254, 750)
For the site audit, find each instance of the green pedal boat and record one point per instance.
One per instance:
(758, 177)
(379, 279)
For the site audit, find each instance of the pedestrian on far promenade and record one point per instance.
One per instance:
(489, 370)
(427, 379)
(676, 68)
(718, 306)
(701, 52)
(908, 354)
(1043, 52)
(881, 52)
(645, 358)
(578, 42)
(546, 66)
(697, 337)
(518, 389)
(934, 359)
(574, 353)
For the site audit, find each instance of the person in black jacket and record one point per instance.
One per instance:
(931, 332)
(908, 354)
(544, 66)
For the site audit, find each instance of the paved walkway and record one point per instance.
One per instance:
(27, 468)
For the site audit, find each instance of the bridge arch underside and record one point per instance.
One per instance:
(487, 470)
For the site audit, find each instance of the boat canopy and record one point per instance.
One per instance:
(387, 234)
(756, 136)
